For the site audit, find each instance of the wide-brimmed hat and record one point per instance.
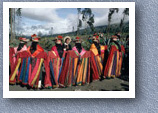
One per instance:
(95, 34)
(23, 40)
(35, 38)
(119, 33)
(67, 37)
(78, 39)
(59, 37)
(34, 35)
(114, 36)
(95, 38)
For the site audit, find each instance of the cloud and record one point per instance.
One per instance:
(48, 21)
(100, 11)
(103, 18)
(60, 26)
(41, 14)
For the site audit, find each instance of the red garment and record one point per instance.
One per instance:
(12, 55)
(12, 63)
(56, 66)
(39, 49)
(111, 62)
(19, 55)
(97, 61)
(123, 49)
(75, 71)
(38, 54)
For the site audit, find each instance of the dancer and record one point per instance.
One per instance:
(76, 69)
(66, 44)
(13, 51)
(30, 63)
(97, 57)
(114, 62)
(55, 61)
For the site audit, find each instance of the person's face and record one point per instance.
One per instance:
(78, 41)
(67, 40)
(58, 41)
(115, 39)
(96, 41)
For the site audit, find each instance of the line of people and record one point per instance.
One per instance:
(64, 66)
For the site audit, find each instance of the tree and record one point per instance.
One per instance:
(10, 22)
(88, 18)
(12, 14)
(111, 12)
(79, 24)
(90, 22)
(18, 14)
(40, 33)
(14, 24)
(125, 13)
(51, 31)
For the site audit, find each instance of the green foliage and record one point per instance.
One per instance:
(47, 43)
(111, 12)
(10, 15)
(88, 17)
(86, 45)
(80, 23)
(14, 43)
(126, 11)
(18, 12)
(79, 10)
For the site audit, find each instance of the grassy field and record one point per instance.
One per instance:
(47, 42)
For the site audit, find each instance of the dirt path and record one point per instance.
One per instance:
(104, 85)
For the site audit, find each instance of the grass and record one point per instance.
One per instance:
(47, 42)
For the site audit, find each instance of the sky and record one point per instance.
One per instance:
(59, 20)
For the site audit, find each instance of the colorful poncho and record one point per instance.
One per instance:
(114, 62)
(30, 72)
(76, 70)
(12, 55)
(55, 64)
(97, 61)
(123, 50)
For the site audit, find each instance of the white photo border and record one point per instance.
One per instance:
(68, 94)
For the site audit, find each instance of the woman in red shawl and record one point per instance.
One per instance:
(55, 61)
(13, 51)
(97, 58)
(114, 62)
(30, 63)
(76, 67)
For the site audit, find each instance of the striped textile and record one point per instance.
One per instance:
(55, 64)
(97, 61)
(76, 69)
(30, 69)
(114, 62)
